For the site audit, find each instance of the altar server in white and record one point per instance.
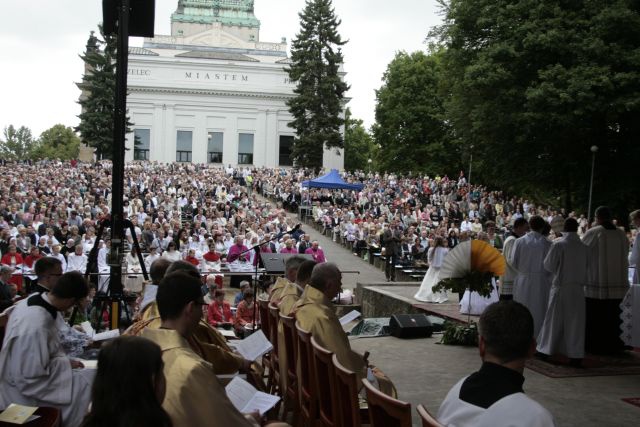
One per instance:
(564, 323)
(34, 369)
(533, 283)
(493, 396)
(634, 256)
(608, 283)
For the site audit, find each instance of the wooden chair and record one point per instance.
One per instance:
(274, 385)
(428, 420)
(306, 379)
(385, 411)
(326, 391)
(291, 402)
(349, 410)
(263, 311)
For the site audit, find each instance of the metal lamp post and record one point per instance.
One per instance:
(594, 150)
(369, 162)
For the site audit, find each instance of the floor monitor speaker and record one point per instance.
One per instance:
(410, 326)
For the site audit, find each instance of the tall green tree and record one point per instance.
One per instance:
(17, 144)
(358, 144)
(98, 94)
(318, 105)
(411, 127)
(58, 142)
(534, 84)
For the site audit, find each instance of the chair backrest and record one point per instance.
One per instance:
(289, 330)
(274, 315)
(347, 386)
(326, 392)
(428, 420)
(263, 309)
(385, 411)
(306, 377)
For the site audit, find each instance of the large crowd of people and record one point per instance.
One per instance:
(190, 219)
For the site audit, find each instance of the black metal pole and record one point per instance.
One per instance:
(117, 175)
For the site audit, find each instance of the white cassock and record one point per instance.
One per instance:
(533, 283)
(634, 259)
(76, 262)
(515, 410)
(103, 269)
(564, 324)
(506, 281)
(609, 257)
(135, 280)
(34, 369)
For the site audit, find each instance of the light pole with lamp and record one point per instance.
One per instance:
(470, 163)
(594, 150)
(369, 162)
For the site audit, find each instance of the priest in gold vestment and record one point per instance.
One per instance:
(194, 395)
(314, 312)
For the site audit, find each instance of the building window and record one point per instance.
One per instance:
(141, 144)
(183, 146)
(284, 152)
(214, 147)
(245, 149)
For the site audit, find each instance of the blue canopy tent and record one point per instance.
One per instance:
(331, 180)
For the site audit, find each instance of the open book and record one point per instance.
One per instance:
(350, 316)
(247, 399)
(106, 335)
(254, 346)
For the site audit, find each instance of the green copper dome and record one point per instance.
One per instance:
(228, 12)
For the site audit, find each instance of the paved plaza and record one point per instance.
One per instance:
(423, 370)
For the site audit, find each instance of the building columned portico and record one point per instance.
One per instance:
(212, 92)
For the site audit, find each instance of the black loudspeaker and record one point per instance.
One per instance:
(410, 326)
(141, 18)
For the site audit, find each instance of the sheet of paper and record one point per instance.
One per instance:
(87, 328)
(247, 399)
(349, 317)
(106, 335)
(89, 364)
(227, 333)
(254, 346)
(17, 414)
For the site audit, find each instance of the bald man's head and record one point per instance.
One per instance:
(327, 278)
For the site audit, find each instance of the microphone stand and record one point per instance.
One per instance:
(256, 248)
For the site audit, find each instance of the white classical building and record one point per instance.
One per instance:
(212, 92)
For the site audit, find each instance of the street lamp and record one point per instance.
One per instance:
(470, 163)
(594, 150)
(369, 161)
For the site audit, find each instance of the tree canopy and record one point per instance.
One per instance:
(98, 94)
(411, 126)
(17, 144)
(58, 142)
(358, 144)
(318, 105)
(532, 85)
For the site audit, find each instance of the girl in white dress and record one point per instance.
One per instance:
(435, 256)
(478, 302)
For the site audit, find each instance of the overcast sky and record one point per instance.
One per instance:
(40, 41)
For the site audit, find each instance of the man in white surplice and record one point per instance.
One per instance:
(494, 395)
(533, 283)
(34, 369)
(608, 284)
(563, 328)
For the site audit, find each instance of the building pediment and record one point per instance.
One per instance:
(217, 37)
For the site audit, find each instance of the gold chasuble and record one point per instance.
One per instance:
(206, 341)
(315, 314)
(276, 291)
(194, 394)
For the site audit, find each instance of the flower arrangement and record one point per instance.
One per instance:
(469, 266)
